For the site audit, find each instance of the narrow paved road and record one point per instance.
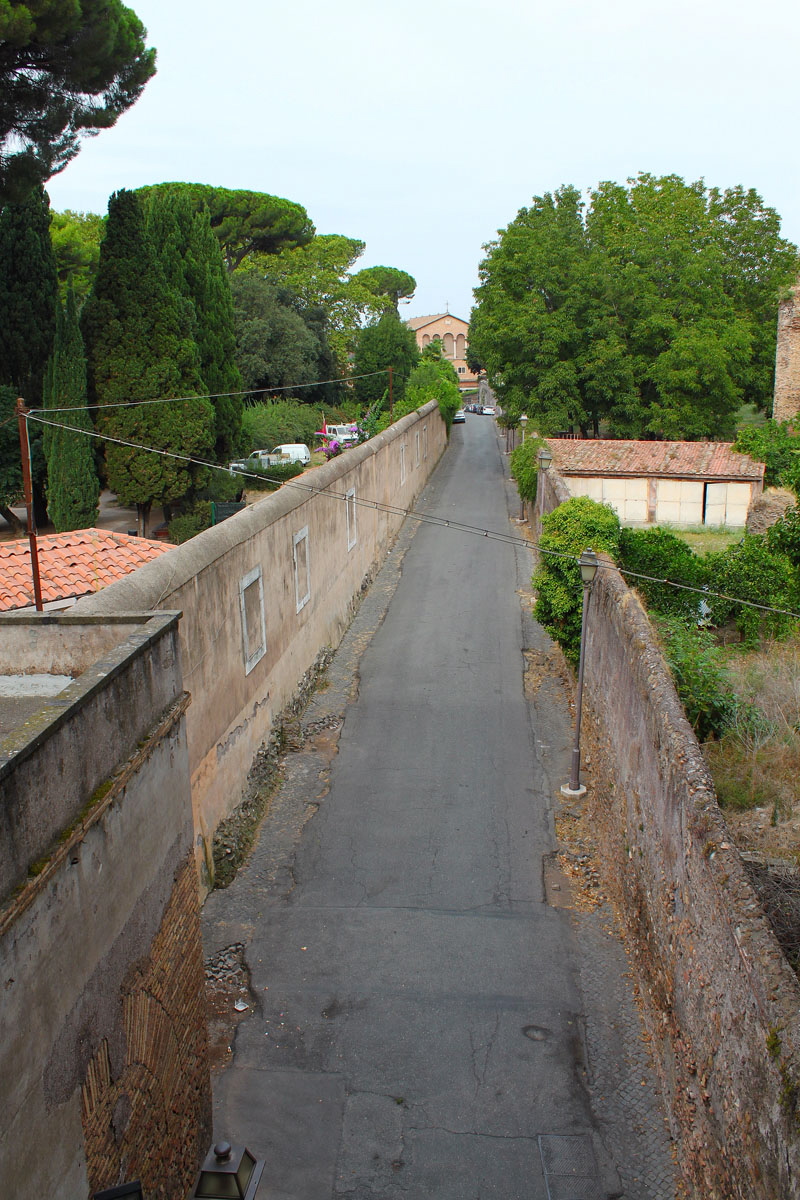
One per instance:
(420, 1025)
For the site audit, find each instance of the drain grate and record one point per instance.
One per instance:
(570, 1167)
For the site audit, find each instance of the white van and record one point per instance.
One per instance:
(293, 452)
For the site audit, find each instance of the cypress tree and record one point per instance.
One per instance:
(28, 295)
(192, 260)
(140, 347)
(73, 488)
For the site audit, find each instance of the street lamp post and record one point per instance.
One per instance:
(588, 563)
(523, 422)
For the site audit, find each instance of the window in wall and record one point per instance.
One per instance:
(402, 462)
(302, 568)
(447, 346)
(462, 370)
(424, 441)
(251, 606)
(350, 509)
(416, 447)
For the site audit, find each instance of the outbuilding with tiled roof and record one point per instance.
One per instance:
(663, 483)
(70, 565)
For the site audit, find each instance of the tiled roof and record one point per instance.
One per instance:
(681, 460)
(419, 322)
(70, 564)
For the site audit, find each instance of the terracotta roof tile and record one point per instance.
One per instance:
(684, 460)
(70, 564)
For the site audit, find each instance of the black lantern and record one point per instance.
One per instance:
(229, 1173)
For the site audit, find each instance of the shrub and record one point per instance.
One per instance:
(776, 446)
(661, 554)
(751, 571)
(524, 467)
(784, 536)
(274, 422)
(698, 669)
(577, 525)
(188, 524)
(271, 478)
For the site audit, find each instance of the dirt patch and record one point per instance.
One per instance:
(229, 1000)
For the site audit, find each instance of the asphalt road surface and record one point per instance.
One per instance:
(421, 1021)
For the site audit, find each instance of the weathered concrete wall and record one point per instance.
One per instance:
(237, 694)
(724, 1003)
(103, 1048)
(786, 400)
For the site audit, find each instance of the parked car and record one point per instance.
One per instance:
(293, 452)
(487, 410)
(459, 417)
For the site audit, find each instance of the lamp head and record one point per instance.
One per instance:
(544, 458)
(588, 563)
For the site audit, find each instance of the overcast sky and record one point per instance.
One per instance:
(423, 127)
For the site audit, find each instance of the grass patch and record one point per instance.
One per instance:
(757, 762)
(705, 539)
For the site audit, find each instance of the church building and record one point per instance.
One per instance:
(454, 336)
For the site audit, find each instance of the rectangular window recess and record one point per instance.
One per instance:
(251, 607)
(302, 568)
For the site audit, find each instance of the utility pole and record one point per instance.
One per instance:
(25, 452)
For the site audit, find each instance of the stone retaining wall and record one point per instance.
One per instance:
(723, 1003)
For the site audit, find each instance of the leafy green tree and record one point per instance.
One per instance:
(276, 347)
(320, 274)
(652, 312)
(140, 350)
(388, 343)
(244, 222)
(73, 489)
(66, 70)
(76, 238)
(192, 262)
(578, 524)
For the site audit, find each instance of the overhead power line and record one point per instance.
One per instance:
(397, 510)
(287, 387)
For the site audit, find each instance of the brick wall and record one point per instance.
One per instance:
(786, 402)
(152, 1118)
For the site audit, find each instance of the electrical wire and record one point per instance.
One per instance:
(397, 510)
(287, 387)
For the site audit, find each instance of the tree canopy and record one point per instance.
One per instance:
(67, 70)
(278, 343)
(390, 282)
(651, 311)
(244, 222)
(388, 343)
(28, 294)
